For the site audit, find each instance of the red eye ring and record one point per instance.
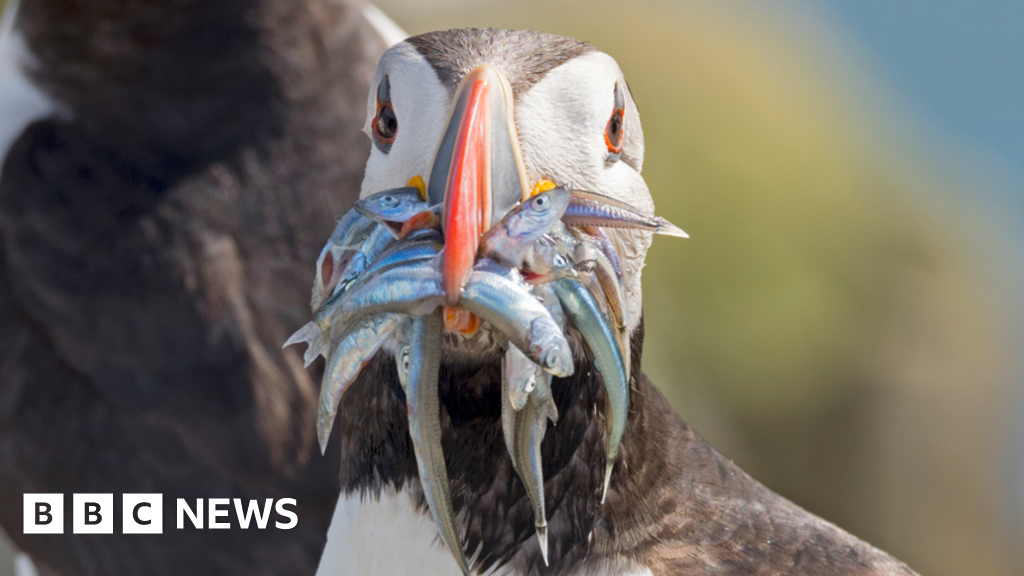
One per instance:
(613, 131)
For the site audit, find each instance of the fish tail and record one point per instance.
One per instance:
(324, 424)
(542, 541)
(607, 477)
(669, 229)
(312, 335)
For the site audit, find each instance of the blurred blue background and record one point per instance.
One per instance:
(845, 321)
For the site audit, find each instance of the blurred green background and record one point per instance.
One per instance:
(844, 321)
(841, 322)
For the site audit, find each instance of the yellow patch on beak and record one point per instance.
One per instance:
(541, 187)
(417, 182)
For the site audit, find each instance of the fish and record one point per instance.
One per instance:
(377, 241)
(529, 428)
(317, 333)
(543, 392)
(313, 335)
(510, 309)
(392, 208)
(583, 310)
(546, 261)
(347, 358)
(424, 339)
(590, 258)
(597, 236)
(547, 297)
(521, 373)
(508, 240)
(416, 255)
(417, 247)
(508, 410)
(593, 209)
(414, 289)
(608, 290)
(351, 230)
(523, 430)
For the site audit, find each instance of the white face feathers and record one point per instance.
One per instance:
(563, 124)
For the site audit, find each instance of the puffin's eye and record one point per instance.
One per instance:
(385, 123)
(613, 131)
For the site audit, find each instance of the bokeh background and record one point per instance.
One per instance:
(845, 321)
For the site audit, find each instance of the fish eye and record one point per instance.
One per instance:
(560, 261)
(389, 201)
(613, 131)
(385, 123)
(541, 202)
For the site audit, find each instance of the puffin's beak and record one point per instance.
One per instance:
(478, 171)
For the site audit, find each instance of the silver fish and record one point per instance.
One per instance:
(508, 410)
(543, 393)
(393, 207)
(523, 430)
(521, 373)
(597, 236)
(346, 360)
(378, 240)
(592, 209)
(319, 342)
(510, 308)
(421, 245)
(425, 338)
(590, 258)
(546, 261)
(604, 273)
(530, 426)
(348, 234)
(371, 289)
(508, 241)
(583, 310)
(413, 289)
(547, 297)
(317, 333)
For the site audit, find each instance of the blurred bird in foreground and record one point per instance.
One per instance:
(169, 170)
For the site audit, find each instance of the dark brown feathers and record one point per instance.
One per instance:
(156, 249)
(675, 505)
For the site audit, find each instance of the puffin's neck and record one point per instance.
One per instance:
(487, 495)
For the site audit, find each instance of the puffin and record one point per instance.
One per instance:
(479, 115)
(168, 168)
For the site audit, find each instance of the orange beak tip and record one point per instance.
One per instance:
(461, 321)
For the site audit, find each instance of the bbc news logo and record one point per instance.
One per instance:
(143, 513)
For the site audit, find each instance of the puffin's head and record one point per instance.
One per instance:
(483, 116)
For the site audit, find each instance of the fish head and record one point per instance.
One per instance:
(393, 207)
(536, 215)
(548, 260)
